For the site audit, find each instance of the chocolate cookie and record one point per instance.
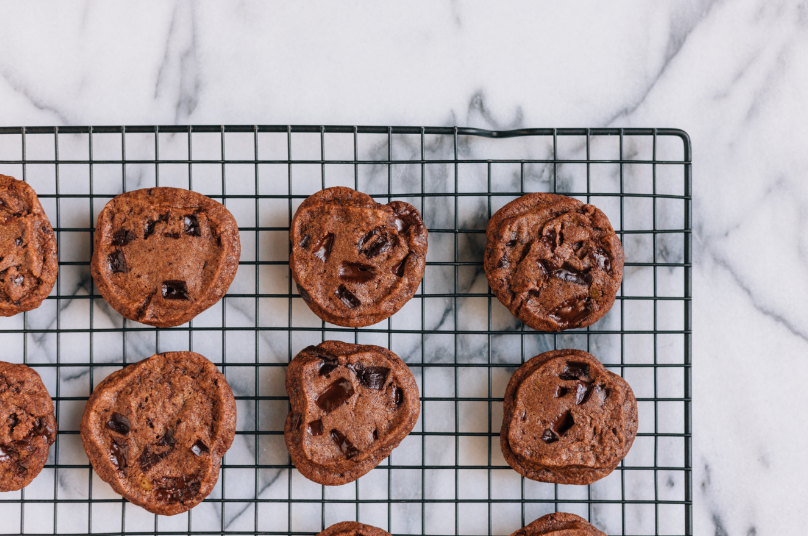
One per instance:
(351, 406)
(164, 255)
(559, 524)
(554, 262)
(355, 261)
(156, 431)
(352, 528)
(28, 260)
(27, 425)
(567, 419)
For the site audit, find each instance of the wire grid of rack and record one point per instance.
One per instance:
(448, 476)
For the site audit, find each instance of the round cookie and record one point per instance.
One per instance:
(164, 255)
(27, 425)
(351, 405)
(352, 528)
(559, 524)
(156, 431)
(567, 419)
(28, 260)
(553, 261)
(355, 261)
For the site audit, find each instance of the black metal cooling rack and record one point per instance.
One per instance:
(447, 477)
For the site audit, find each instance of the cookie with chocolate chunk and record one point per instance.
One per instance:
(164, 255)
(553, 261)
(27, 426)
(355, 261)
(351, 405)
(28, 260)
(567, 419)
(156, 431)
(352, 528)
(559, 524)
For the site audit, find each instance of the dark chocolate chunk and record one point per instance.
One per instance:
(122, 237)
(511, 243)
(344, 444)
(44, 428)
(149, 230)
(602, 259)
(316, 427)
(18, 241)
(399, 396)
(548, 437)
(560, 391)
(148, 458)
(304, 294)
(118, 454)
(190, 225)
(175, 290)
(356, 272)
(199, 448)
(575, 371)
(571, 276)
(171, 235)
(304, 241)
(371, 377)
(562, 423)
(582, 392)
(571, 312)
(322, 249)
(119, 423)
(406, 218)
(117, 262)
(335, 395)
(374, 243)
(329, 361)
(168, 439)
(398, 269)
(4, 456)
(173, 490)
(347, 297)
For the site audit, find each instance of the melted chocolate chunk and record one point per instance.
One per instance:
(548, 437)
(344, 444)
(4, 456)
(149, 229)
(122, 237)
(43, 428)
(316, 427)
(322, 249)
(571, 312)
(374, 243)
(371, 377)
(407, 218)
(335, 395)
(562, 423)
(560, 391)
(582, 392)
(18, 241)
(118, 454)
(148, 458)
(119, 423)
(175, 290)
(347, 297)
(190, 225)
(398, 269)
(173, 490)
(117, 262)
(329, 362)
(571, 276)
(356, 272)
(167, 440)
(304, 241)
(511, 243)
(199, 448)
(602, 259)
(171, 235)
(575, 371)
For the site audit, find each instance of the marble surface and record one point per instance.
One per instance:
(732, 74)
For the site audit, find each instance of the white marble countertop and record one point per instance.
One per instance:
(734, 75)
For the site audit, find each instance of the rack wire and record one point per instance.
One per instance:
(448, 475)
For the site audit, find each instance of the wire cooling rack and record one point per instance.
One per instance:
(448, 476)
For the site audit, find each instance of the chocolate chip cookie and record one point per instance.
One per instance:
(352, 528)
(27, 426)
(355, 261)
(553, 261)
(567, 419)
(559, 524)
(28, 260)
(164, 255)
(156, 431)
(351, 406)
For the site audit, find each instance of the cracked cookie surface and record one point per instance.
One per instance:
(567, 419)
(28, 259)
(559, 524)
(27, 425)
(351, 405)
(355, 261)
(164, 255)
(156, 431)
(553, 261)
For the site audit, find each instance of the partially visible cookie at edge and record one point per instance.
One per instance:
(164, 255)
(351, 405)
(567, 419)
(28, 260)
(352, 528)
(356, 261)
(27, 425)
(156, 431)
(559, 524)
(553, 261)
